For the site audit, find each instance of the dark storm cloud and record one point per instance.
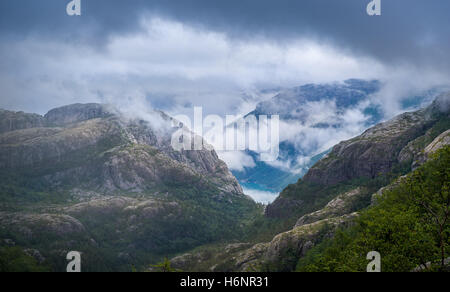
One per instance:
(415, 31)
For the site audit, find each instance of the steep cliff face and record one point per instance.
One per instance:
(377, 150)
(372, 153)
(380, 150)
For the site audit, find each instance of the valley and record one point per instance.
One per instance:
(256, 138)
(84, 177)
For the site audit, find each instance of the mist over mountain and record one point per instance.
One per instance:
(314, 117)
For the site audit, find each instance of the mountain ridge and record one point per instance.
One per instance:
(85, 177)
(78, 126)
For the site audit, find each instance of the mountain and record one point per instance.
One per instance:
(313, 118)
(298, 106)
(87, 177)
(383, 171)
(380, 150)
(289, 103)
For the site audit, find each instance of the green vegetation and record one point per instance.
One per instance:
(164, 267)
(306, 192)
(14, 259)
(202, 216)
(409, 226)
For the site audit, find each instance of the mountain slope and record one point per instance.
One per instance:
(375, 155)
(94, 180)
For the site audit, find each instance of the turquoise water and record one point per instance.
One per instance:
(257, 187)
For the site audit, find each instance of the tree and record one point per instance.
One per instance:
(14, 259)
(165, 267)
(429, 189)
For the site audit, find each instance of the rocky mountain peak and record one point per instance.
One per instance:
(76, 113)
(102, 149)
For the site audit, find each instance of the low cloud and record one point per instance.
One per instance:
(263, 197)
(399, 84)
(237, 160)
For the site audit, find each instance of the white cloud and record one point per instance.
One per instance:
(237, 160)
(403, 82)
(264, 197)
(314, 140)
(167, 58)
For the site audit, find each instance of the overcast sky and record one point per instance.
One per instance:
(175, 54)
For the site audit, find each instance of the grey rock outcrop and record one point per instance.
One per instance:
(373, 152)
(441, 141)
(283, 252)
(32, 225)
(339, 206)
(11, 121)
(75, 113)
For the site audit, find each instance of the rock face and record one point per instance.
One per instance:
(32, 225)
(377, 151)
(285, 249)
(339, 206)
(148, 209)
(420, 157)
(75, 113)
(441, 141)
(98, 149)
(301, 239)
(11, 121)
(373, 152)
